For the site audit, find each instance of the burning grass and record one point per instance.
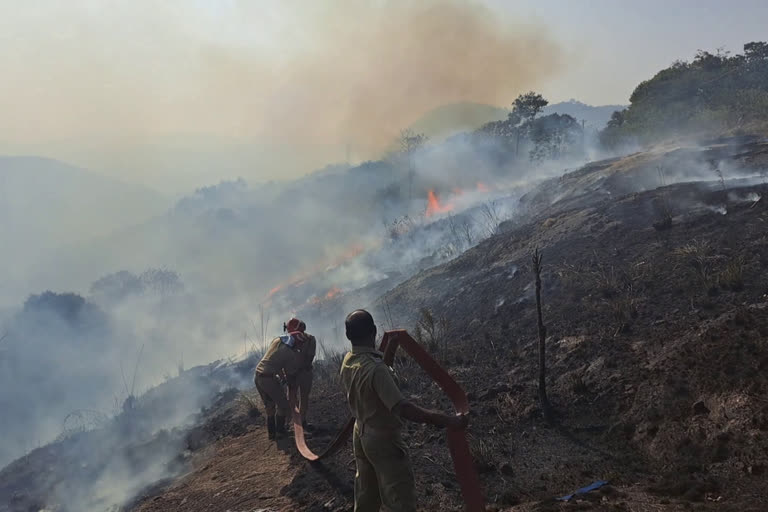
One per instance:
(434, 206)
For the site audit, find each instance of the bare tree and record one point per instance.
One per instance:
(162, 281)
(410, 142)
(453, 227)
(491, 217)
(466, 231)
(130, 401)
(666, 211)
(546, 408)
(264, 326)
(720, 177)
(388, 314)
(432, 330)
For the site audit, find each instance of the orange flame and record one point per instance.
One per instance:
(482, 187)
(434, 206)
(302, 277)
(274, 290)
(333, 292)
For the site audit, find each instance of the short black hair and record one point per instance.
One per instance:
(359, 325)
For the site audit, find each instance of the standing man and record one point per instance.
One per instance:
(384, 475)
(304, 377)
(281, 362)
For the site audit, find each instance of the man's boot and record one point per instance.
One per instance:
(271, 427)
(279, 427)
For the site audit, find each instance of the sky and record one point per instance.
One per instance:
(616, 44)
(179, 93)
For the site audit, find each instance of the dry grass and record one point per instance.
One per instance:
(698, 255)
(250, 404)
(732, 277)
(624, 311)
(701, 258)
(327, 370)
(432, 331)
(618, 287)
(577, 383)
(483, 454)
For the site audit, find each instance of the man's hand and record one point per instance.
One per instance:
(413, 412)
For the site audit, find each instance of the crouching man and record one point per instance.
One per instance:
(281, 363)
(384, 478)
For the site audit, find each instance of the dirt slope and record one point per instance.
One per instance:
(236, 473)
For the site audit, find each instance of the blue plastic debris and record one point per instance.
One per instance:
(584, 490)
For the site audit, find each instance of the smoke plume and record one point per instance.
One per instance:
(321, 75)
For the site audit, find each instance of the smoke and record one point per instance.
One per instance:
(120, 79)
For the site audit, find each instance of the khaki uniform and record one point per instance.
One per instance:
(304, 377)
(280, 359)
(384, 478)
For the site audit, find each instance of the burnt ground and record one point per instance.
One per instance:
(657, 352)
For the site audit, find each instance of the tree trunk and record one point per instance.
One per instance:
(546, 408)
(410, 182)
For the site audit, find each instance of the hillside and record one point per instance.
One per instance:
(656, 355)
(448, 120)
(46, 204)
(595, 117)
(35, 190)
(711, 95)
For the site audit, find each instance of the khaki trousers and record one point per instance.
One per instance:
(384, 479)
(304, 382)
(273, 395)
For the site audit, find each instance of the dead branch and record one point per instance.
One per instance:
(546, 408)
(136, 370)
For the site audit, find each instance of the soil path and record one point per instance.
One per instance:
(240, 474)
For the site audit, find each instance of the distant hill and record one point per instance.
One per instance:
(594, 117)
(45, 204)
(447, 120)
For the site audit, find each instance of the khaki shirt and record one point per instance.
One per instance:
(371, 390)
(308, 353)
(280, 358)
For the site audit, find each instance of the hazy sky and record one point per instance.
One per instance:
(616, 44)
(181, 91)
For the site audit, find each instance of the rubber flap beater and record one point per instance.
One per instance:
(463, 463)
